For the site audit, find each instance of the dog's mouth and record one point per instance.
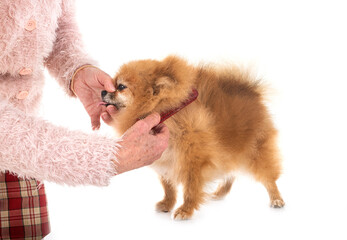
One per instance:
(104, 104)
(117, 105)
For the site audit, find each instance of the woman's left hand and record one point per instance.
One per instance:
(87, 85)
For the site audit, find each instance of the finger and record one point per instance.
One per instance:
(94, 112)
(107, 82)
(152, 120)
(109, 86)
(164, 132)
(106, 118)
(95, 123)
(112, 110)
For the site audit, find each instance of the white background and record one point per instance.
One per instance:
(298, 47)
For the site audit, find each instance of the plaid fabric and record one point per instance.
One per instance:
(23, 209)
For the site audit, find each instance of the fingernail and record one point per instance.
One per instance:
(112, 88)
(95, 128)
(157, 115)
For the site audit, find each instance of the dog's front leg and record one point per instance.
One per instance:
(193, 193)
(169, 201)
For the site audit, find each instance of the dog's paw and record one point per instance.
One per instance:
(182, 214)
(277, 203)
(164, 206)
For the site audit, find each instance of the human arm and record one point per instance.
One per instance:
(33, 148)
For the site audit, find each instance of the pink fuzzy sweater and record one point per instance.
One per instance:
(35, 34)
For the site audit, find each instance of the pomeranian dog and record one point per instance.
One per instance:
(226, 129)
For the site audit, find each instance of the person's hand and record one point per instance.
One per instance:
(87, 85)
(142, 144)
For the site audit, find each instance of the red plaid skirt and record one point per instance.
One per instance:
(23, 208)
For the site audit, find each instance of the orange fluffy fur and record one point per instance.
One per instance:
(227, 129)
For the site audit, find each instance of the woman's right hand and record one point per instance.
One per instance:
(140, 145)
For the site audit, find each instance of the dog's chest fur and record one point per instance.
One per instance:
(191, 133)
(166, 165)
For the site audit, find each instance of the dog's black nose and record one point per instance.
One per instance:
(103, 93)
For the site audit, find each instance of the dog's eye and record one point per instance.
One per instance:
(121, 87)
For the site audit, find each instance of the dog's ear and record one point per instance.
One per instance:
(169, 66)
(161, 83)
(170, 71)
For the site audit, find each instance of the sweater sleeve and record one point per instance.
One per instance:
(31, 147)
(68, 53)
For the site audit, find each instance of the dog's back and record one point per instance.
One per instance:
(236, 100)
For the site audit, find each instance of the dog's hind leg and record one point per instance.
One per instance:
(223, 188)
(267, 169)
(276, 200)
